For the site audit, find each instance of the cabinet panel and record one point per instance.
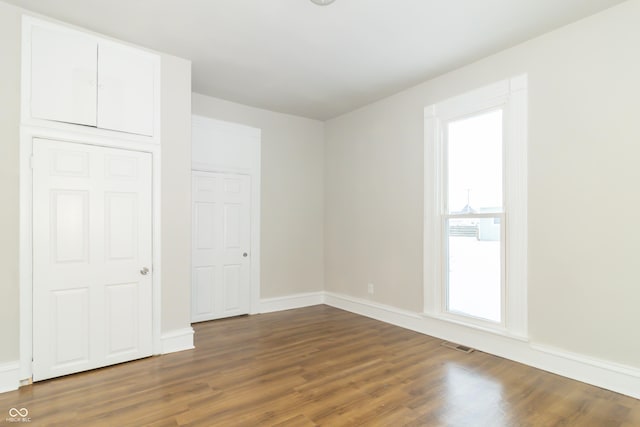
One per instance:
(125, 89)
(63, 76)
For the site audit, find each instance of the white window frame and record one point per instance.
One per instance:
(511, 97)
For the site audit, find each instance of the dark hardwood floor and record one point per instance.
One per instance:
(318, 366)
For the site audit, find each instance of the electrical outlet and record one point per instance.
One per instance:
(370, 288)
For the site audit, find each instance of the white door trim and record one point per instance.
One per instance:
(27, 134)
(250, 166)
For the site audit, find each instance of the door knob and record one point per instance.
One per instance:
(245, 254)
(144, 271)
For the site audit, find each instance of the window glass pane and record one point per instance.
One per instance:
(474, 267)
(474, 152)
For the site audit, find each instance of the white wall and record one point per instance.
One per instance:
(584, 238)
(10, 30)
(176, 193)
(292, 225)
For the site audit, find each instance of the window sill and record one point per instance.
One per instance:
(498, 330)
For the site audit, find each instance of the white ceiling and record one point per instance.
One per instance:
(315, 61)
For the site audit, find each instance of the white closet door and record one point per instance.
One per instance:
(92, 300)
(63, 76)
(221, 240)
(125, 89)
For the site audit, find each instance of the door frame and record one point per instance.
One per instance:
(243, 161)
(27, 135)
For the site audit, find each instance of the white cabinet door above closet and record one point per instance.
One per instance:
(125, 89)
(63, 76)
(77, 78)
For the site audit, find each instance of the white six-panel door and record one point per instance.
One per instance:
(92, 228)
(221, 240)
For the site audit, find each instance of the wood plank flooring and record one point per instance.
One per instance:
(318, 366)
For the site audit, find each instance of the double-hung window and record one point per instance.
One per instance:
(476, 208)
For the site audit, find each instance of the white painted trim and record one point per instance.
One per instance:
(516, 206)
(484, 98)
(289, 302)
(27, 134)
(229, 127)
(255, 172)
(612, 376)
(157, 247)
(432, 265)
(9, 376)
(256, 221)
(178, 340)
(26, 254)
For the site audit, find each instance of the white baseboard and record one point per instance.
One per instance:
(179, 340)
(619, 378)
(9, 376)
(615, 377)
(289, 302)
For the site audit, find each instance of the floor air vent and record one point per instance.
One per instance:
(458, 347)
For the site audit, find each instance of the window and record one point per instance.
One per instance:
(473, 212)
(475, 208)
